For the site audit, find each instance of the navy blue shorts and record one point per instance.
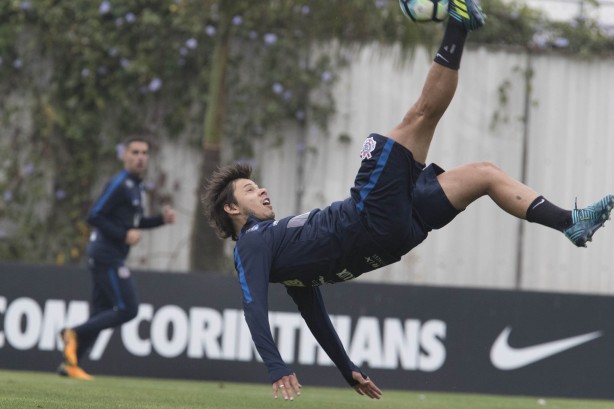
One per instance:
(400, 199)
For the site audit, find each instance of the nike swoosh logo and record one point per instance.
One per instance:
(442, 57)
(538, 203)
(506, 358)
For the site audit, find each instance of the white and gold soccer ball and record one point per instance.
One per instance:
(422, 11)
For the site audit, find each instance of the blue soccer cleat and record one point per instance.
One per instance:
(467, 12)
(585, 222)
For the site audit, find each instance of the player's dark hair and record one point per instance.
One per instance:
(133, 138)
(219, 191)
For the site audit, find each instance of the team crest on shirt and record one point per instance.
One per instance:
(367, 147)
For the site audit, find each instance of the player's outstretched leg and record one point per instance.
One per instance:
(466, 183)
(417, 127)
(585, 222)
(468, 12)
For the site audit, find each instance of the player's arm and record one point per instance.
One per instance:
(150, 222)
(252, 261)
(166, 217)
(99, 214)
(311, 306)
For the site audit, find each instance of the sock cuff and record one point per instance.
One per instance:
(451, 49)
(439, 59)
(538, 200)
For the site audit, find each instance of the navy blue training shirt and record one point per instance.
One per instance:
(118, 209)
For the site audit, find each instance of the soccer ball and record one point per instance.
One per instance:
(425, 10)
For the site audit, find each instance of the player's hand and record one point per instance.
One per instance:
(366, 386)
(168, 215)
(288, 386)
(133, 236)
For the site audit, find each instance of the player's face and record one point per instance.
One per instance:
(136, 156)
(253, 200)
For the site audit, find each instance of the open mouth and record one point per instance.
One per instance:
(266, 202)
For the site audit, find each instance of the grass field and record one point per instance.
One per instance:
(38, 390)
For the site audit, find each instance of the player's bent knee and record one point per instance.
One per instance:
(487, 171)
(489, 167)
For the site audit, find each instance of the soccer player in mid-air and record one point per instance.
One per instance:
(395, 202)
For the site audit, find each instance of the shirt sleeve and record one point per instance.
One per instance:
(151, 222)
(99, 214)
(311, 306)
(253, 264)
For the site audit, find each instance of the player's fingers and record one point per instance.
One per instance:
(373, 394)
(296, 387)
(373, 386)
(277, 388)
(283, 387)
(368, 391)
(372, 390)
(366, 387)
(378, 391)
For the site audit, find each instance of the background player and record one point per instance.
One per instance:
(117, 218)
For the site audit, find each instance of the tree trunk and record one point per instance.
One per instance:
(207, 253)
(207, 250)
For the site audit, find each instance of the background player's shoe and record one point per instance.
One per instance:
(74, 371)
(70, 346)
(467, 12)
(585, 222)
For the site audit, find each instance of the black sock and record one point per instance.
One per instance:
(451, 49)
(545, 213)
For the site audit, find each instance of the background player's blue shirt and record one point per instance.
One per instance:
(302, 252)
(118, 209)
